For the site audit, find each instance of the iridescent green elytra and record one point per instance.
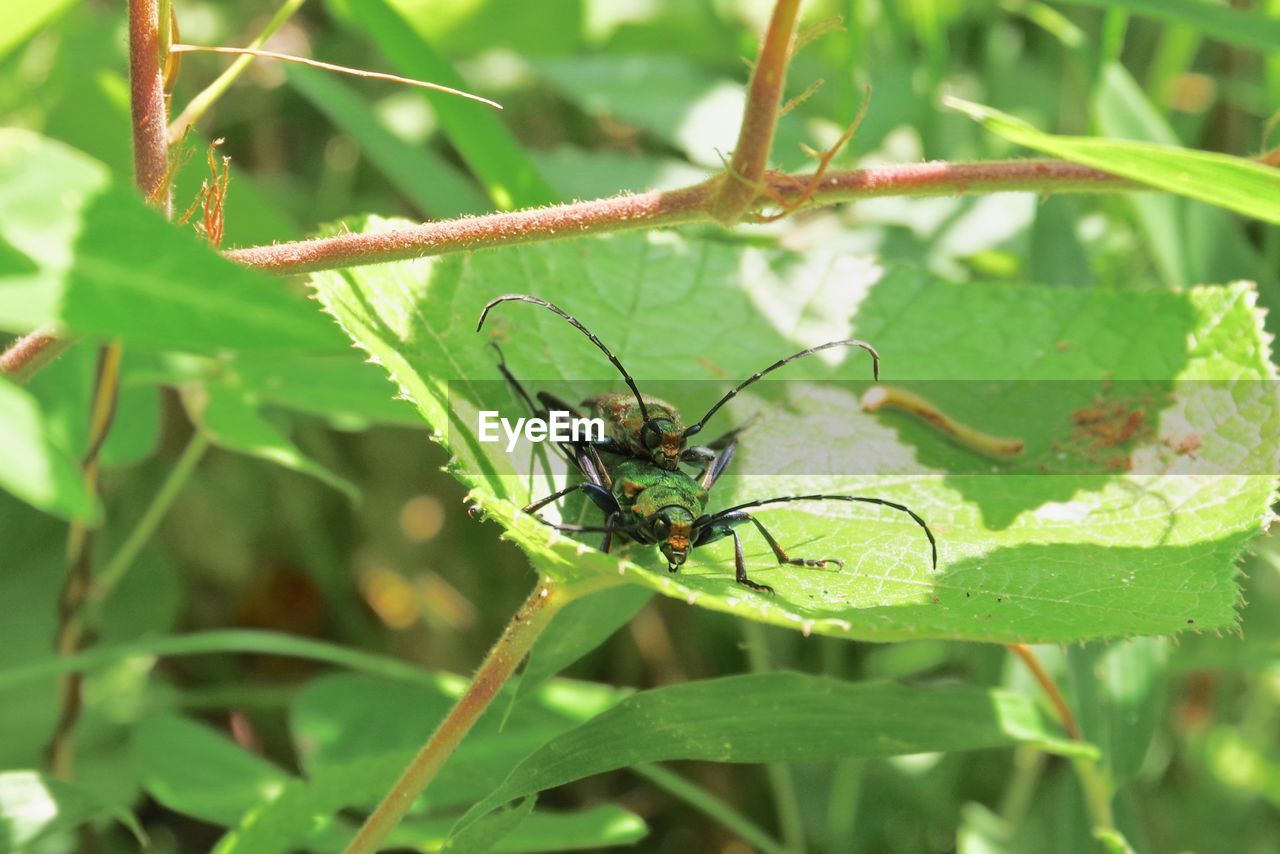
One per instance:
(653, 506)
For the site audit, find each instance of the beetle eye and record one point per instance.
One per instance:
(650, 435)
(661, 527)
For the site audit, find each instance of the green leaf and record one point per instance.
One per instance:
(1241, 185)
(34, 465)
(355, 736)
(232, 421)
(582, 626)
(432, 184)
(22, 20)
(34, 805)
(400, 29)
(105, 264)
(780, 717)
(1235, 26)
(339, 719)
(486, 832)
(601, 826)
(1027, 556)
(192, 770)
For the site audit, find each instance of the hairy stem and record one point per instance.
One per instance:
(498, 666)
(760, 120)
(22, 359)
(675, 207)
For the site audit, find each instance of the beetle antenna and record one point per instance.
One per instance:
(717, 516)
(846, 342)
(576, 324)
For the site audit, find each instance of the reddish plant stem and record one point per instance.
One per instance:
(149, 108)
(657, 209)
(498, 666)
(1050, 688)
(27, 355)
(759, 121)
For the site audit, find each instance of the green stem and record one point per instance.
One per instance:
(206, 98)
(710, 806)
(781, 780)
(151, 518)
(1028, 765)
(1098, 792)
(499, 665)
(842, 808)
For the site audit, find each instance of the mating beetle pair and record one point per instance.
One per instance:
(645, 495)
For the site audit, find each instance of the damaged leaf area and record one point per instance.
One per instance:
(1126, 514)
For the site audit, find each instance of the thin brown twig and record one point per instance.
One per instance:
(1050, 688)
(341, 69)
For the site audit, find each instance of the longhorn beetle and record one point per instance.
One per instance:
(645, 427)
(666, 508)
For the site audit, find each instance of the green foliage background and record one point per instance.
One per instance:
(322, 534)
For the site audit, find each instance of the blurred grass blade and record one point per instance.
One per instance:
(1118, 691)
(1235, 26)
(433, 185)
(1235, 183)
(1189, 240)
(220, 642)
(489, 149)
(788, 717)
(34, 805)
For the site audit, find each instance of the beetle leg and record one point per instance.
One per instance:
(781, 554)
(601, 496)
(740, 566)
